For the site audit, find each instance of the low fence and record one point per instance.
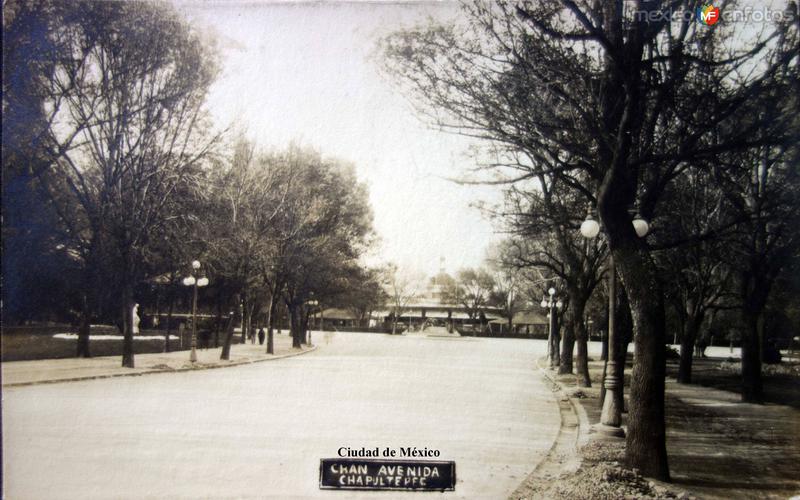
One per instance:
(467, 332)
(364, 329)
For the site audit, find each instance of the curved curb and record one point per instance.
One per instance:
(569, 410)
(162, 370)
(584, 428)
(583, 419)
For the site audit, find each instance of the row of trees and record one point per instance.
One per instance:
(115, 180)
(288, 227)
(497, 284)
(618, 108)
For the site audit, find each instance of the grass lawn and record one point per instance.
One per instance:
(29, 343)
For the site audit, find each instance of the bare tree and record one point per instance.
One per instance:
(765, 192)
(402, 287)
(364, 294)
(697, 279)
(126, 134)
(324, 226)
(507, 293)
(604, 96)
(248, 193)
(472, 289)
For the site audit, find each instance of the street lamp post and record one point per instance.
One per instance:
(313, 303)
(611, 415)
(552, 304)
(196, 283)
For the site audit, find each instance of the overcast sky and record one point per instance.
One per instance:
(306, 72)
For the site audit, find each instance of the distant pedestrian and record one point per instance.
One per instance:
(205, 339)
(702, 344)
(261, 336)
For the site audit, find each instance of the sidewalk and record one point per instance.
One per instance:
(722, 448)
(718, 447)
(18, 373)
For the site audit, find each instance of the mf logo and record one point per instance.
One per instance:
(708, 15)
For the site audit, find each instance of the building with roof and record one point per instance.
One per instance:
(432, 305)
(528, 322)
(429, 306)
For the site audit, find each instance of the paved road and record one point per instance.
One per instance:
(259, 431)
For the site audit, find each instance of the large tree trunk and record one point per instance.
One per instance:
(270, 319)
(295, 321)
(127, 325)
(601, 401)
(242, 305)
(752, 387)
(690, 329)
(582, 356)
(304, 316)
(621, 117)
(218, 321)
(554, 340)
(229, 332)
(646, 439)
(89, 299)
(169, 321)
(249, 309)
(577, 306)
(604, 345)
(276, 313)
(84, 329)
(754, 294)
(567, 343)
(623, 339)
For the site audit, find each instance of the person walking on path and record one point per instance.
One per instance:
(261, 336)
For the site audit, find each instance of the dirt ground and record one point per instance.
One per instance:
(30, 343)
(718, 447)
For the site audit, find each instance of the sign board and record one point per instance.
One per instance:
(362, 474)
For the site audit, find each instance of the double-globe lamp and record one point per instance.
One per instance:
(590, 228)
(195, 283)
(611, 416)
(550, 303)
(552, 340)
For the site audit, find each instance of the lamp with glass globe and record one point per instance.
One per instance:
(196, 283)
(611, 416)
(313, 303)
(552, 303)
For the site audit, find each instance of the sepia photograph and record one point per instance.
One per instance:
(400, 249)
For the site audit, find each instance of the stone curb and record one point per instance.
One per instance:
(550, 456)
(163, 370)
(577, 407)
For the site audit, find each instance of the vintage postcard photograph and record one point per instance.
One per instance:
(412, 249)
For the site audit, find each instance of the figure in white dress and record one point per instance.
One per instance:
(136, 319)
